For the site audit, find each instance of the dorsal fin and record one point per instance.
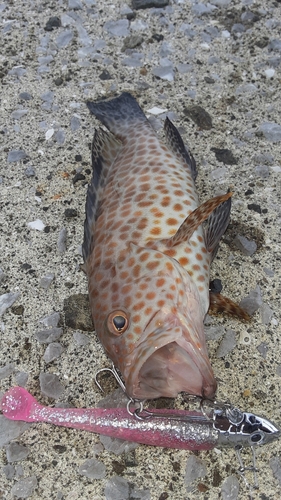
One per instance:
(195, 219)
(104, 151)
(217, 224)
(176, 144)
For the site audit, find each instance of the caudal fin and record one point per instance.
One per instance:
(119, 115)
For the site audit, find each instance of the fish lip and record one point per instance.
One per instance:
(150, 344)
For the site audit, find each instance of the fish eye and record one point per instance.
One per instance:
(117, 322)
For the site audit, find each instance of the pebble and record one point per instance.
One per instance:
(246, 88)
(16, 155)
(164, 72)
(7, 300)
(227, 344)
(70, 212)
(24, 488)
(262, 171)
(61, 243)
(53, 22)
(214, 332)
(247, 247)
(25, 96)
(77, 312)
(53, 351)
(93, 469)
(117, 28)
(2, 278)
(64, 38)
(253, 301)
(10, 429)
(230, 488)
(9, 471)
(18, 114)
(7, 370)
(50, 320)
(49, 134)
(148, 4)
(263, 349)
(16, 452)
(21, 378)
(75, 123)
(116, 488)
(60, 136)
(81, 338)
(195, 468)
(37, 224)
(266, 314)
(271, 131)
(275, 465)
(29, 171)
(46, 281)
(48, 336)
(200, 116)
(50, 385)
(225, 156)
(117, 446)
(75, 4)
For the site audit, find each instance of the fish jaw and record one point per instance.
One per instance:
(171, 358)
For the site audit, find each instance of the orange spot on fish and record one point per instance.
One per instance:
(148, 311)
(151, 295)
(138, 306)
(171, 252)
(196, 267)
(171, 221)
(201, 278)
(178, 207)
(144, 256)
(152, 265)
(199, 256)
(160, 282)
(155, 231)
(136, 318)
(161, 303)
(137, 330)
(184, 261)
(136, 271)
(169, 266)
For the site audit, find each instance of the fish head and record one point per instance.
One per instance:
(150, 322)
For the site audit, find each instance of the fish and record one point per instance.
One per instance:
(147, 256)
(181, 429)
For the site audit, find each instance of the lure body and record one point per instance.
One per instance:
(146, 255)
(166, 428)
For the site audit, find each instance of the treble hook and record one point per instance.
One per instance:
(252, 468)
(115, 374)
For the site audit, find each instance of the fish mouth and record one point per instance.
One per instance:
(166, 363)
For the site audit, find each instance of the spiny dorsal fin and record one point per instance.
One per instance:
(104, 151)
(176, 144)
(217, 224)
(195, 219)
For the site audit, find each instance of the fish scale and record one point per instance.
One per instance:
(146, 254)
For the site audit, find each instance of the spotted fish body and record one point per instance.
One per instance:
(147, 255)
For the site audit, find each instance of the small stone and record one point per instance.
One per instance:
(195, 468)
(117, 446)
(263, 349)
(16, 155)
(269, 272)
(58, 81)
(77, 312)
(29, 171)
(18, 310)
(36, 224)
(269, 73)
(266, 314)
(60, 136)
(53, 351)
(61, 244)
(227, 344)
(255, 207)
(225, 156)
(131, 42)
(81, 338)
(53, 22)
(252, 302)
(78, 177)
(9, 471)
(47, 96)
(25, 96)
(274, 45)
(16, 452)
(105, 75)
(262, 171)
(116, 488)
(21, 378)
(75, 123)
(70, 212)
(10, 429)
(247, 247)
(24, 488)
(2, 277)
(164, 72)
(48, 336)
(50, 385)
(200, 9)
(46, 281)
(50, 320)
(117, 28)
(148, 4)
(7, 370)
(214, 332)
(230, 488)
(275, 465)
(49, 134)
(75, 5)
(271, 131)
(63, 39)
(201, 117)
(216, 286)
(93, 469)
(7, 300)
(19, 113)
(247, 88)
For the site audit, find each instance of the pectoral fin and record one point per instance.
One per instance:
(221, 304)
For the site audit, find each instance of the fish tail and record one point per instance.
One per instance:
(119, 115)
(221, 304)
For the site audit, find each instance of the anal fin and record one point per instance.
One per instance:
(221, 304)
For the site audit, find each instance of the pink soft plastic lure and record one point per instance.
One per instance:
(180, 429)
